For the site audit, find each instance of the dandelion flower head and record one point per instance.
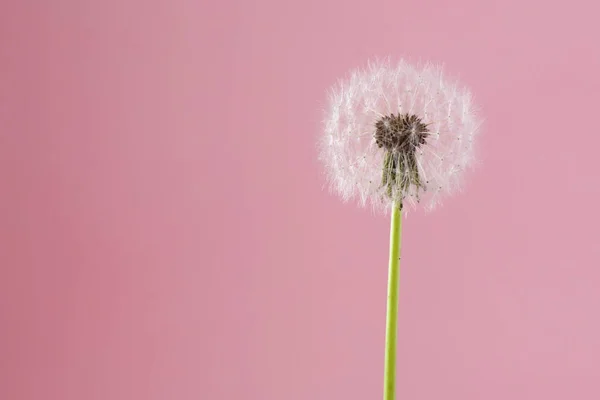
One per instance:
(398, 133)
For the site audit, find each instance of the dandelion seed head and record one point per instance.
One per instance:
(398, 133)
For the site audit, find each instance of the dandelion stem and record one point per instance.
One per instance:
(389, 380)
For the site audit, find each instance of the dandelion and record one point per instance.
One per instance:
(397, 137)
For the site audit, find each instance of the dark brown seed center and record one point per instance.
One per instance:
(401, 133)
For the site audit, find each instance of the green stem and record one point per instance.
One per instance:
(389, 381)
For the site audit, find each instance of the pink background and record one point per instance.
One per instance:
(164, 233)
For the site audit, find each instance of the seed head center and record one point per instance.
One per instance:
(401, 133)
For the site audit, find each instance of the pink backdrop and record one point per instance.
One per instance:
(164, 233)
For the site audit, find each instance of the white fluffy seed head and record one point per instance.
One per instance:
(354, 162)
